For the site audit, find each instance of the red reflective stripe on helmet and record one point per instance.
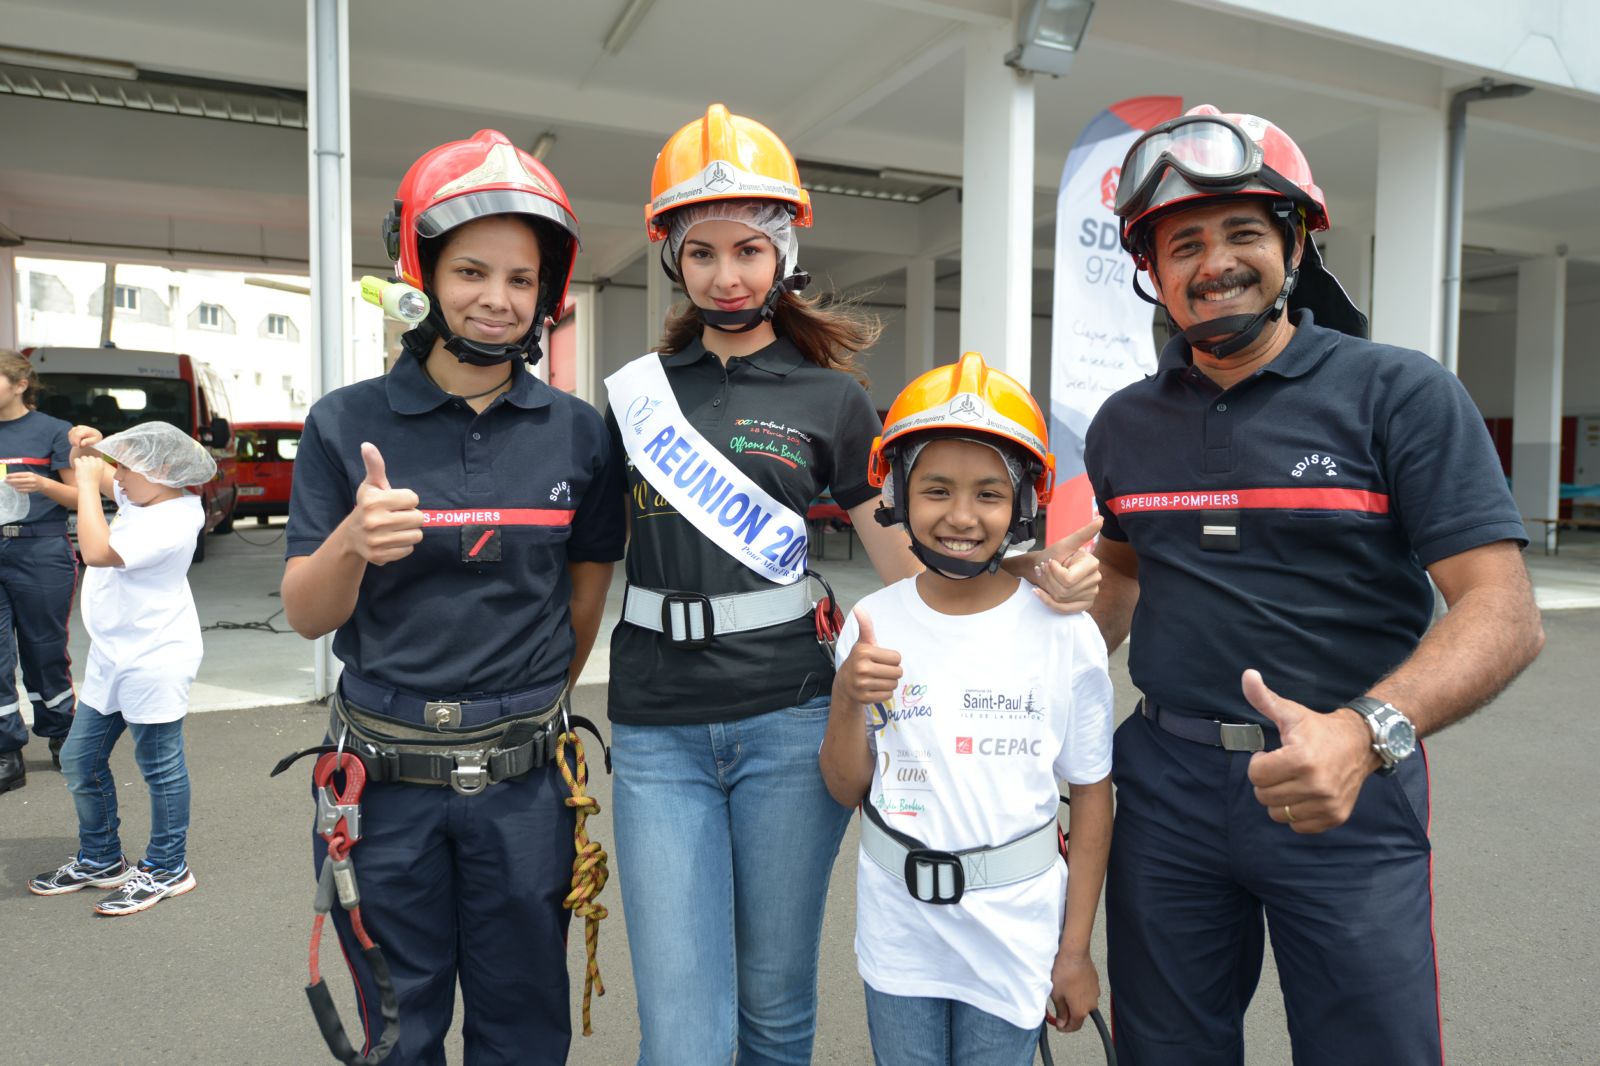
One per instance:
(499, 516)
(1254, 499)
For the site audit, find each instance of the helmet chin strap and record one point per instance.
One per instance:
(471, 352)
(748, 318)
(1222, 337)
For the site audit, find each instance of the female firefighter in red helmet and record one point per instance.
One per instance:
(454, 525)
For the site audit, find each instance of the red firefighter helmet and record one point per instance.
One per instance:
(1206, 154)
(485, 175)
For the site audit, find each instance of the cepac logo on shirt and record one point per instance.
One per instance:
(1316, 464)
(999, 747)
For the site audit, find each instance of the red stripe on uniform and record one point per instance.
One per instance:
(1256, 499)
(499, 516)
(26, 461)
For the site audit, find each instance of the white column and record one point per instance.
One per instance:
(997, 206)
(1408, 255)
(658, 296)
(1536, 412)
(585, 308)
(1348, 254)
(920, 355)
(328, 140)
(10, 329)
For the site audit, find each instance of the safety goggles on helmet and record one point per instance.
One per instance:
(1211, 153)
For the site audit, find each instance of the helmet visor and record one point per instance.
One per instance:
(448, 214)
(1208, 151)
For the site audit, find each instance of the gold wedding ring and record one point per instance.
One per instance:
(1287, 813)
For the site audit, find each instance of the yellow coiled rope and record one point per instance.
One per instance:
(589, 870)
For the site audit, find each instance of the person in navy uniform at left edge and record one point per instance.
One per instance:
(38, 572)
(449, 523)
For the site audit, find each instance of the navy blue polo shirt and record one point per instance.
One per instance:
(1345, 467)
(795, 429)
(530, 483)
(37, 443)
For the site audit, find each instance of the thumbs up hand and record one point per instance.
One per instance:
(385, 524)
(1311, 783)
(869, 674)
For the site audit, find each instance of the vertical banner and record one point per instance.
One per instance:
(1100, 331)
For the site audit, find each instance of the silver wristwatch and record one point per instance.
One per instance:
(1393, 736)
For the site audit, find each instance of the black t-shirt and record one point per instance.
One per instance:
(512, 495)
(1345, 466)
(794, 429)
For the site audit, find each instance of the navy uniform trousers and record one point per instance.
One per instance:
(469, 888)
(1195, 865)
(37, 579)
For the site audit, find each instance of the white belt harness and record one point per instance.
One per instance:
(934, 876)
(717, 498)
(691, 619)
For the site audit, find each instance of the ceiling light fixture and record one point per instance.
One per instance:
(1048, 35)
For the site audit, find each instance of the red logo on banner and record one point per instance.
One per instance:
(1108, 188)
(963, 745)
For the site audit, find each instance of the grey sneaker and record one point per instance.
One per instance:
(75, 874)
(144, 889)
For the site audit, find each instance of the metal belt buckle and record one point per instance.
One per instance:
(692, 603)
(470, 776)
(934, 863)
(1240, 736)
(441, 713)
(11, 531)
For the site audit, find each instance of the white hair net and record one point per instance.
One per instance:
(770, 217)
(161, 452)
(13, 505)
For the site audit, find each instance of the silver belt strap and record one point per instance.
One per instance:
(933, 880)
(684, 616)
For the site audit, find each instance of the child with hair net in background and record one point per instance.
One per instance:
(143, 655)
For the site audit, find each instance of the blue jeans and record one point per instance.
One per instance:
(38, 576)
(158, 749)
(726, 838)
(916, 1031)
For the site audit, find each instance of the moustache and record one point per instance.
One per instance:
(1231, 280)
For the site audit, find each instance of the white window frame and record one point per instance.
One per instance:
(209, 316)
(282, 322)
(125, 298)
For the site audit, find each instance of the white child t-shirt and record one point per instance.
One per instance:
(144, 633)
(993, 708)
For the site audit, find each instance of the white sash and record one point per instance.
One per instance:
(729, 509)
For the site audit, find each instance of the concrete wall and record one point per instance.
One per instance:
(1488, 358)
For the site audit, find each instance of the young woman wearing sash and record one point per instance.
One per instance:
(750, 408)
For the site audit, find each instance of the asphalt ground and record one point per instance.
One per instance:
(216, 976)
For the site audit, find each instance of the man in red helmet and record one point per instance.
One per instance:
(1276, 497)
(454, 524)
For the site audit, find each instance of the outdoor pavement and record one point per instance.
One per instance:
(216, 976)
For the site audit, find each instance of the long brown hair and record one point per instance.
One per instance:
(16, 367)
(828, 333)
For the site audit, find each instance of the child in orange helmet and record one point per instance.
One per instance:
(959, 702)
